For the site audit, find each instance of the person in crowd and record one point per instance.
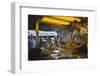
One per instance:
(31, 42)
(83, 31)
(79, 32)
(82, 37)
(75, 33)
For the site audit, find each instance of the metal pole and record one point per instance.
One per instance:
(37, 33)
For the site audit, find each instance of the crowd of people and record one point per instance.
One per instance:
(77, 42)
(44, 41)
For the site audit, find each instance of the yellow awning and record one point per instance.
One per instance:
(54, 21)
(59, 20)
(67, 18)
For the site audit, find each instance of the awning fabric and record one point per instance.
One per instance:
(59, 20)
